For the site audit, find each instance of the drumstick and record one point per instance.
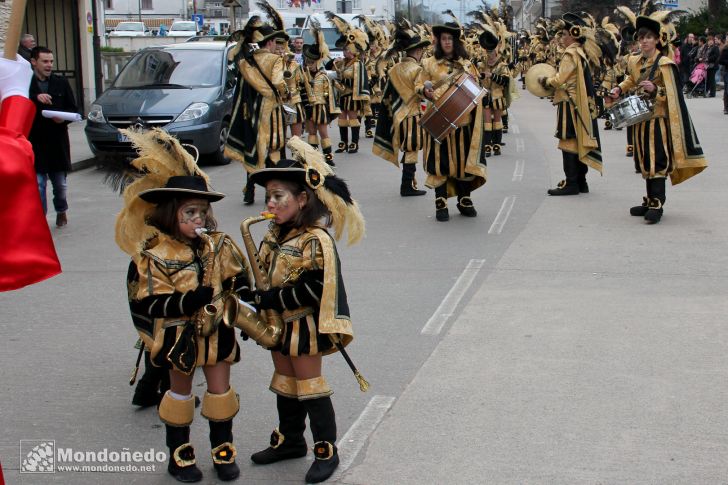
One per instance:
(13, 11)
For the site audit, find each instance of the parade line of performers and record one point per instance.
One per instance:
(391, 72)
(189, 285)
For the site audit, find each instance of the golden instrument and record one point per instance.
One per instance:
(266, 326)
(532, 76)
(207, 319)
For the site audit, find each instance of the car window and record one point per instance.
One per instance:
(184, 26)
(188, 68)
(124, 27)
(330, 34)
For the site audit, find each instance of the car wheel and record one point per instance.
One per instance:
(218, 157)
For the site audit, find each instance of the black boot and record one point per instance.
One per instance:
(408, 187)
(504, 119)
(249, 192)
(639, 210)
(725, 102)
(583, 169)
(487, 144)
(369, 125)
(569, 186)
(354, 145)
(223, 450)
(344, 143)
(441, 212)
(497, 138)
(148, 390)
(323, 427)
(465, 203)
(329, 157)
(656, 193)
(182, 464)
(287, 440)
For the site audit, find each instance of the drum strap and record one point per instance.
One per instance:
(654, 67)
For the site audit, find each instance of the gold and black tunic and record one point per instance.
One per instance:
(497, 84)
(168, 270)
(667, 143)
(354, 95)
(304, 270)
(294, 81)
(322, 103)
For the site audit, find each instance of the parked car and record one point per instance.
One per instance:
(130, 29)
(185, 89)
(183, 28)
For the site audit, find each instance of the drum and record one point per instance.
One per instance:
(289, 114)
(448, 112)
(630, 111)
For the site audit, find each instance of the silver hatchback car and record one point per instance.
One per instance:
(186, 89)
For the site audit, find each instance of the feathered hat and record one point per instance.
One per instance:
(352, 39)
(455, 27)
(658, 22)
(405, 38)
(374, 31)
(163, 169)
(319, 50)
(276, 29)
(309, 168)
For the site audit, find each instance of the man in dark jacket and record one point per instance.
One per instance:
(686, 65)
(49, 136)
(713, 53)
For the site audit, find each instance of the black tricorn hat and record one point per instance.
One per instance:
(186, 186)
(447, 27)
(295, 171)
(488, 40)
(267, 32)
(311, 52)
(405, 40)
(571, 18)
(652, 25)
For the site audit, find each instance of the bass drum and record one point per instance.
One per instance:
(452, 107)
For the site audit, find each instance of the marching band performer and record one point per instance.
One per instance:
(666, 144)
(293, 74)
(352, 75)
(495, 77)
(454, 167)
(524, 46)
(258, 131)
(321, 109)
(576, 126)
(398, 128)
(180, 271)
(300, 255)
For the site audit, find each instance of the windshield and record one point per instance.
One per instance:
(172, 68)
(130, 27)
(184, 26)
(330, 34)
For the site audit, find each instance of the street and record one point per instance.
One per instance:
(548, 340)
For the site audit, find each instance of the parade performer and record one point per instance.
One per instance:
(28, 254)
(398, 128)
(524, 47)
(307, 290)
(293, 74)
(666, 144)
(454, 167)
(184, 264)
(576, 126)
(322, 107)
(495, 77)
(354, 100)
(378, 43)
(258, 131)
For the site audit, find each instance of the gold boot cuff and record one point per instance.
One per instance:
(343, 122)
(325, 142)
(224, 454)
(355, 123)
(487, 126)
(220, 407)
(410, 157)
(498, 125)
(283, 385)
(312, 140)
(313, 388)
(175, 412)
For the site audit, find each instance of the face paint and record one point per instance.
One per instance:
(282, 203)
(192, 214)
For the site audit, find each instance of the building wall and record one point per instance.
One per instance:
(160, 8)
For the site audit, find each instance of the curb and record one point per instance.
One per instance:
(83, 164)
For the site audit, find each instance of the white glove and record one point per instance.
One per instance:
(15, 77)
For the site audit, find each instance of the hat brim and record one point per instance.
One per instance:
(652, 25)
(309, 54)
(421, 44)
(441, 29)
(278, 34)
(155, 196)
(263, 176)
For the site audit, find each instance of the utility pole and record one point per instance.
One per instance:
(140, 10)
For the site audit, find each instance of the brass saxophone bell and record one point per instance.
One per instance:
(240, 315)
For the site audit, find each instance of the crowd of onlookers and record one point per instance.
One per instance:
(702, 60)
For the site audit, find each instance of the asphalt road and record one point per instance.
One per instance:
(548, 340)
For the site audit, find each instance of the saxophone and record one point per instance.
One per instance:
(266, 326)
(206, 319)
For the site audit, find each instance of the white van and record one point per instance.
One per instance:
(130, 29)
(183, 28)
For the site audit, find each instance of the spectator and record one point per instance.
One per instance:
(212, 31)
(49, 137)
(162, 30)
(298, 50)
(27, 42)
(711, 58)
(723, 61)
(685, 59)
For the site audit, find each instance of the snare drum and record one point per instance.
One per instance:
(452, 107)
(289, 114)
(630, 111)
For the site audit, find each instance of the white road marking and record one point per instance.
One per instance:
(515, 129)
(447, 307)
(520, 145)
(352, 442)
(503, 213)
(518, 172)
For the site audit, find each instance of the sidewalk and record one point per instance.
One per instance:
(81, 155)
(595, 350)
